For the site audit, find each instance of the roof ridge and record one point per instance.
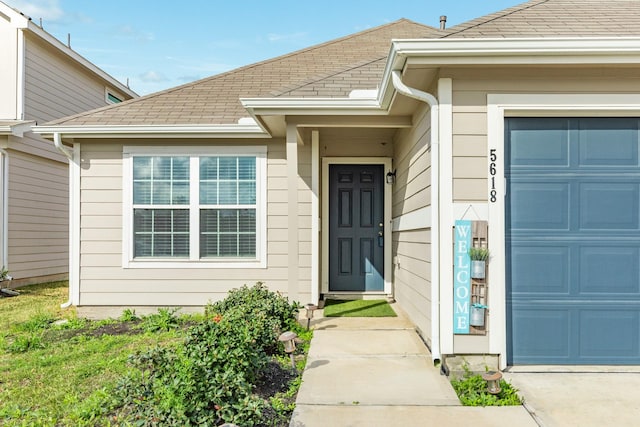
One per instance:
(245, 67)
(493, 16)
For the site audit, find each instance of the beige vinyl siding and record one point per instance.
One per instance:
(303, 245)
(55, 86)
(412, 247)
(104, 282)
(38, 216)
(8, 71)
(470, 89)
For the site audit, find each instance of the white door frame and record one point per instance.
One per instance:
(386, 162)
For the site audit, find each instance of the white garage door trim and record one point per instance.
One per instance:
(500, 106)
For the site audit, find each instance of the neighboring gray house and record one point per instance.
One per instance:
(368, 165)
(40, 80)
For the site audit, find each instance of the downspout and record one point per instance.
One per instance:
(396, 78)
(5, 208)
(57, 142)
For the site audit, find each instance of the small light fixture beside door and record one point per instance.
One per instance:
(391, 177)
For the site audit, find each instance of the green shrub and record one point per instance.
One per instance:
(209, 378)
(267, 313)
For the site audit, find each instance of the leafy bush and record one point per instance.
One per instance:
(210, 377)
(164, 320)
(266, 312)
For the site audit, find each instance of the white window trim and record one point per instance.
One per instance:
(117, 95)
(500, 106)
(128, 261)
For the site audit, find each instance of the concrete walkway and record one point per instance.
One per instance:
(377, 372)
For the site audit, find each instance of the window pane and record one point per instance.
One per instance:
(209, 221)
(142, 246)
(161, 193)
(161, 180)
(161, 232)
(247, 245)
(142, 168)
(180, 193)
(180, 168)
(229, 245)
(180, 221)
(247, 168)
(228, 193)
(208, 245)
(228, 220)
(247, 221)
(208, 168)
(142, 193)
(229, 233)
(209, 193)
(228, 168)
(247, 193)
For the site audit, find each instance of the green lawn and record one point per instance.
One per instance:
(73, 373)
(51, 375)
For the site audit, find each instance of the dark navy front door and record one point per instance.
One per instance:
(573, 240)
(356, 219)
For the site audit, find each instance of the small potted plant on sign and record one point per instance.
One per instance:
(479, 257)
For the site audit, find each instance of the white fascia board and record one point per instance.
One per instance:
(586, 50)
(506, 51)
(155, 131)
(312, 106)
(16, 128)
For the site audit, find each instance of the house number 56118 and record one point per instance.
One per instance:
(492, 172)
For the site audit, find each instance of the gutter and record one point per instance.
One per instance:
(57, 142)
(422, 96)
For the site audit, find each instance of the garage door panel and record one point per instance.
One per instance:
(609, 270)
(609, 206)
(573, 240)
(540, 205)
(540, 269)
(542, 143)
(541, 332)
(611, 142)
(609, 331)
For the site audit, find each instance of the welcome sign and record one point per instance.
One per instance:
(461, 276)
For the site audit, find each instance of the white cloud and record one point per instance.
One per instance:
(129, 32)
(48, 10)
(153, 77)
(272, 37)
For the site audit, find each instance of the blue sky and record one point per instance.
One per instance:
(158, 44)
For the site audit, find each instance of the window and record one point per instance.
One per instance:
(195, 207)
(111, 97)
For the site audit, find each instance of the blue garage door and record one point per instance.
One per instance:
(573, 240)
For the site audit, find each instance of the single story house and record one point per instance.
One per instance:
(41, 79)
(369, 165)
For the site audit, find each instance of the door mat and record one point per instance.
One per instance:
(358, 308)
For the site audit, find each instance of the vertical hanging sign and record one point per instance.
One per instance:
(461, 276)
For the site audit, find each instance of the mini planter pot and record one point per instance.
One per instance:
(477, 269)
(476, 315)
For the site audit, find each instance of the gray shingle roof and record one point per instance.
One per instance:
(556, 18)
(335, 68)
(326, 70)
